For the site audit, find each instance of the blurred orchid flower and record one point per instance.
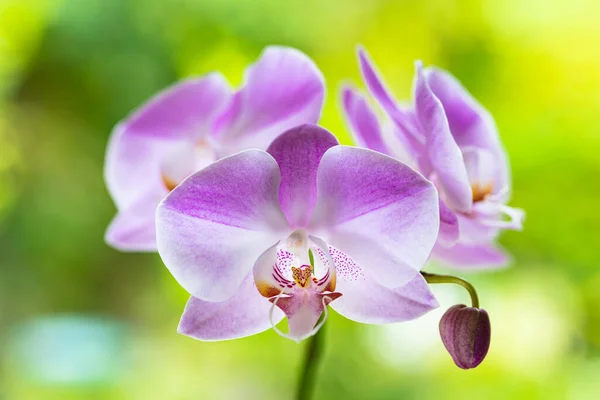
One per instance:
(261, 235)
(195, 122)
(453, 141)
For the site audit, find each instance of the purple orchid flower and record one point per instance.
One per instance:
(453, 141)
(195, 122)
(261, 235)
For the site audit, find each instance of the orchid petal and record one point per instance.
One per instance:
(282, 90)
(469, 256)
(470, 123)
(212, 228)
(245, 314)
(498, 215)
(407, 124)
(365, 300)
(134, 228)
(324, 267)
(271, 272)
(378, 211)
(474, 230)
(298, 153)
(139, 144)
(303, 312)
(449, 226)
(363, 121)
(444, 155)
(486, 221)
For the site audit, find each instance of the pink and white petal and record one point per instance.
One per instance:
(365, 300)
(444, 154)
(246, 313)
(270, 278)
(377, 87)
(449, 226)
(134, 229)
(324, 267)
(472, 256)
(363, 122)
(283, 89)
(298, 153)
(481, 168)
(404, 119)
(378, 211)
(213, 227)
(303, 310)
(497, 215)
(470, 123)
(181, 113)
(475, 230)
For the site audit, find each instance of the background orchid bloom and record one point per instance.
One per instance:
(195, 122)
(241, 236)
(453, 141)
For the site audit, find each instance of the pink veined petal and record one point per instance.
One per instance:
(363, 122)
(444, 154)
(303, 310)
(473, 230)
(282, 90)
(449, 227)
(472, 256)
(365, 300)
(244, 314)
(138, 145)
(298, 153)
(378, 211)
(368, 132)
(271, 272)
(486, 221)
(498, 215)
(404, 119)
(324, 267)
(470, 123)
(212, 228)
(134, 229)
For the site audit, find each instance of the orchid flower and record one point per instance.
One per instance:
(196, 122)
(453, 141)
(258, 235)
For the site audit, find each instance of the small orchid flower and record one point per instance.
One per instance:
(258, 235)
(452, 140)
(196, 122)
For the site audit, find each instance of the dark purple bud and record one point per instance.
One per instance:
(466, 333)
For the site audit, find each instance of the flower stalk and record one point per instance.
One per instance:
(312, 357)
(437, 278)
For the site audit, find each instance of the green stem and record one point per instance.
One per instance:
(311, 363)
(437, 278)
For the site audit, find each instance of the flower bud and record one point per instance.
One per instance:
(466, 333)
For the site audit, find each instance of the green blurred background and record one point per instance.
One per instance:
(79, 320)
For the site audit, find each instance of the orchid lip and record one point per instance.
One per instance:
(298, 284)
(481, 192)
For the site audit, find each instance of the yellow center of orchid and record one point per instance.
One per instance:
(302, 275)
(480, 192)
